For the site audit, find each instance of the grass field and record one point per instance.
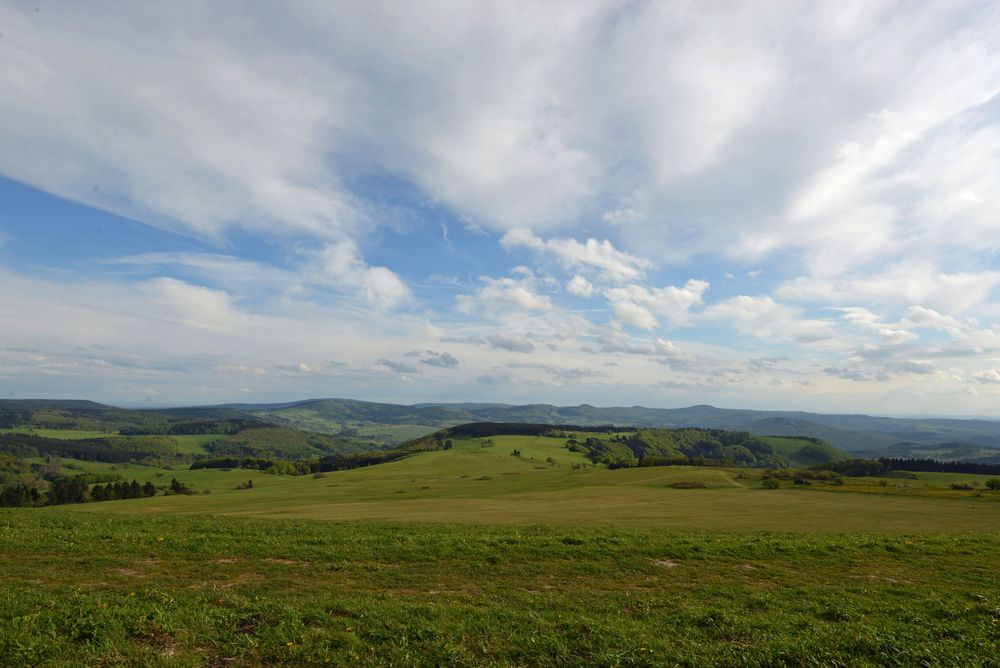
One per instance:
(487, 485)
(193, 444)
(472, 556)
(221, 591)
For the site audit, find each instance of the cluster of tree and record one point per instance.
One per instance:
(122, 490)
(266, 464)
(63, 490)
(114, 449)
(229, 426)
(19, 496)
(689, 446)
(893, 464)
(12, 417)
(342, 462)
(887, 466)
(360, 459)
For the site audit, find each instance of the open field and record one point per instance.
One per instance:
(487, 485)
(472, 556)
(192, 444)
(196, 591)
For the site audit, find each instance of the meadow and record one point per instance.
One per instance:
(473, 556)
(475, 482)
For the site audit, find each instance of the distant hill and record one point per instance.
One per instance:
(395, 423)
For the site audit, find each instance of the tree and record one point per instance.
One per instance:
(993, 483)
(148, 489)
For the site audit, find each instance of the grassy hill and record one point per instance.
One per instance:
(478, 480)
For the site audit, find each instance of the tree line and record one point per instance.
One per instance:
(888, 465)
(74, 490)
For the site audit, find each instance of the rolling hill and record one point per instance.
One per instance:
(381, 424)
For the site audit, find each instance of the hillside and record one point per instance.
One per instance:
(387, 424)
(852, 433)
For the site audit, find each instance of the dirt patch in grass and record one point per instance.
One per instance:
(666, 563)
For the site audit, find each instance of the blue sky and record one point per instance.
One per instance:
(750, 205)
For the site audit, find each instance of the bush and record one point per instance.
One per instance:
(689, 484)
(993, 483)
(770, 483)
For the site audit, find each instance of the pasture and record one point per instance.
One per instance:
(475, 482)
(473, 556)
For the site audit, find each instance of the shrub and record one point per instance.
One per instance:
(770, 483)
(689, 484)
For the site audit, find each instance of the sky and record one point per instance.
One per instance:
(764, 205)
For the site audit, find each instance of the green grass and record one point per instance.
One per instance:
(486, 485)
(473, 557)
(215, 591)
(193, 444)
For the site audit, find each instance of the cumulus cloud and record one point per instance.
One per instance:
(864, 320)
(635, 305)
(580, 287)
(601, 256)
(378, 285)
(518, 291)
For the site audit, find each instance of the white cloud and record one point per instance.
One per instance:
(203, 132)
(991, 376)
(847, 153)
(580, 287)
(379, 286)
(765, 318)
(636, 305)
(631, 313)
(865, 321)
(499, 294)
(902, 284)
(611, 263)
